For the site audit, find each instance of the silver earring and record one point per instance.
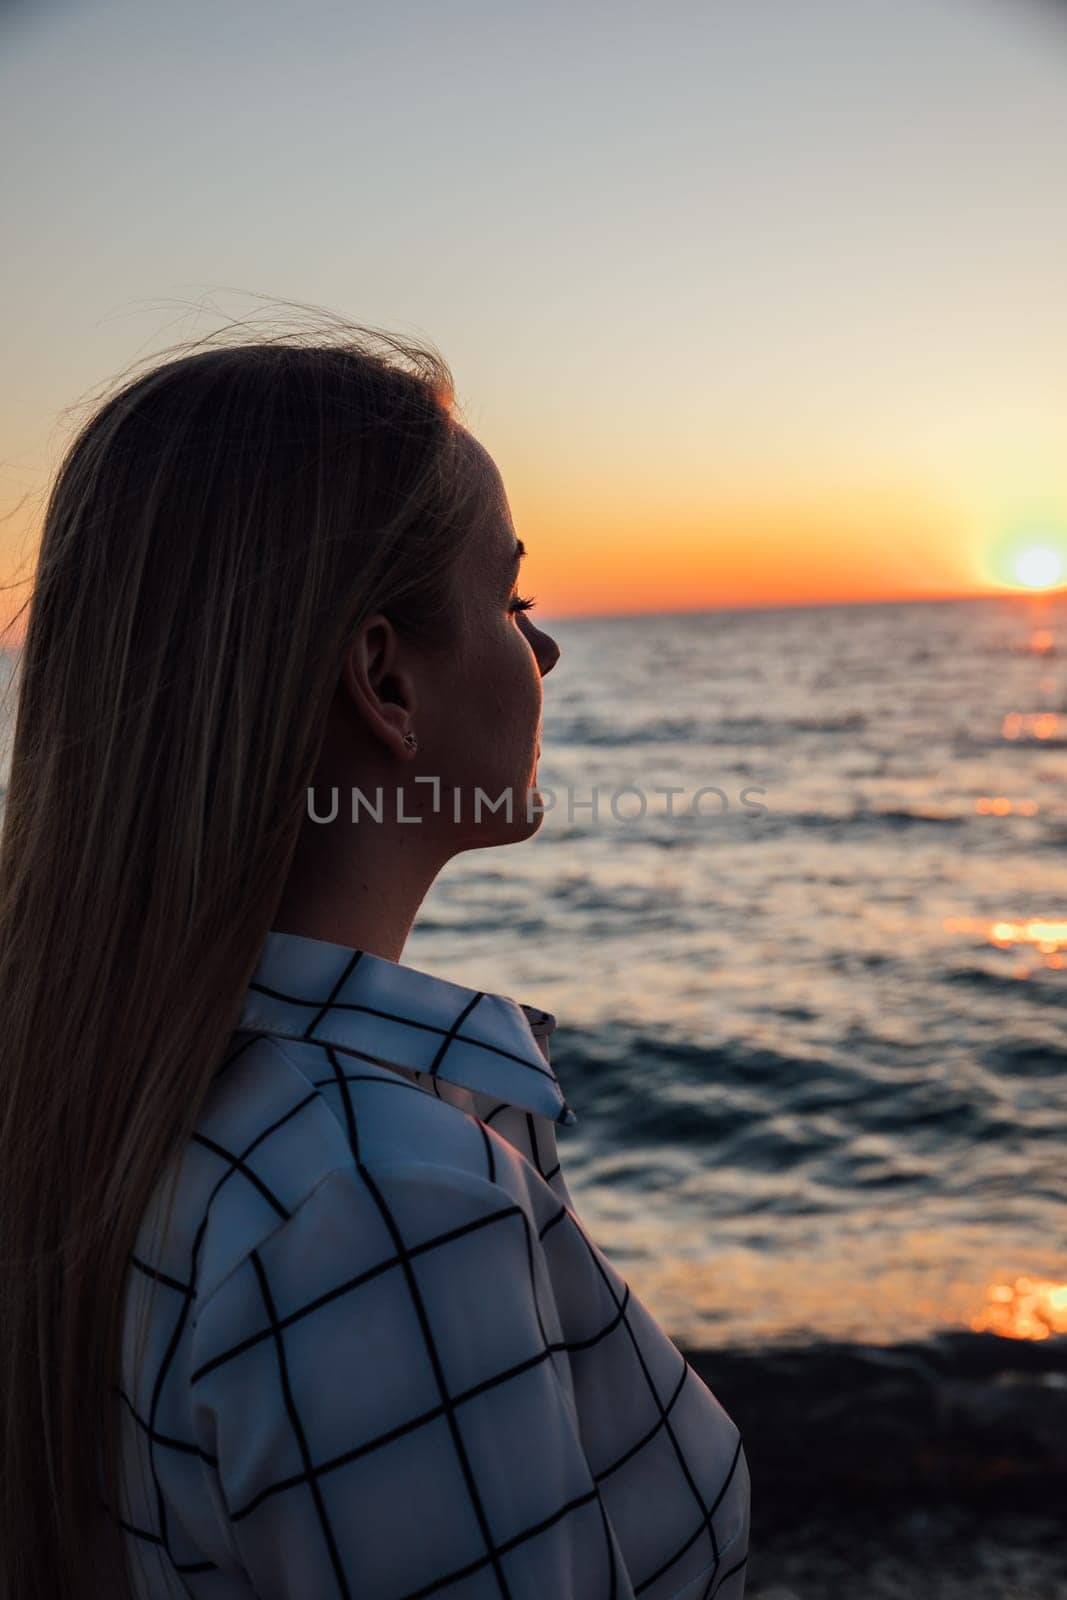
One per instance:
(410, 740)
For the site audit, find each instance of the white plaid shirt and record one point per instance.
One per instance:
(386, 1361)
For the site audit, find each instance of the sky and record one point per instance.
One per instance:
(754, 302)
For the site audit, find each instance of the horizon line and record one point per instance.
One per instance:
(1058, 591)
(1054, 592)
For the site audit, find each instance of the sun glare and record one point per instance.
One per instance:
(1032, 555)
(1039, 566)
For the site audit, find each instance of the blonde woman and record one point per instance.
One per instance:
(295, 1300)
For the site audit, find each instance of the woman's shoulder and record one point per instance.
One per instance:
(283, 1117)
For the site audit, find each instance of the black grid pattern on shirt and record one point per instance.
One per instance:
(187, 1292)
(237, 1163)
(447, 1035)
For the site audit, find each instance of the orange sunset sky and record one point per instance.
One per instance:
(754, 303)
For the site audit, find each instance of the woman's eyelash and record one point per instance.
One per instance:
(518, 603)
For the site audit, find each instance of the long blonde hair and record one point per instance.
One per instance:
(215, 533)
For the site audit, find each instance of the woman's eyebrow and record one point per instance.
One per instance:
(518, 552)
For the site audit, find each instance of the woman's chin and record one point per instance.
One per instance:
(487, 824)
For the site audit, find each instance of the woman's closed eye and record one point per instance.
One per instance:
(518, 603)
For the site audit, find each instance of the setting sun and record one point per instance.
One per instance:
(1039, 566)
(1033, 554)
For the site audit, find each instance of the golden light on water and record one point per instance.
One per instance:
(1047, 936)
(1038, 724)
(1028, 1308)
(1000, 806)
(939, 1278)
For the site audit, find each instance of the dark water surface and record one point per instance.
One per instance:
(816, 1050)
(813, 1029)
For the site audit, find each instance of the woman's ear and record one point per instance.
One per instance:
(376, 687)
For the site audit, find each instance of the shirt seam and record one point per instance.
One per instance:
(245, 1255)
(374, 1168)
(276, 1043)
(272, 1042)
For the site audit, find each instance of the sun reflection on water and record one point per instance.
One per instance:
(1028, 1308)
(1038, 724)
(1000, 806)
(1047, 936)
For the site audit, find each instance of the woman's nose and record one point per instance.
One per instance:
(544, 647)
(548, 652)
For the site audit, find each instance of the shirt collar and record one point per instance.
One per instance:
(324, 993)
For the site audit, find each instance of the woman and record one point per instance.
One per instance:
(295, 1299)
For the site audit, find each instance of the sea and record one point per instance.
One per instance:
(798, 902)
(806, 946)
